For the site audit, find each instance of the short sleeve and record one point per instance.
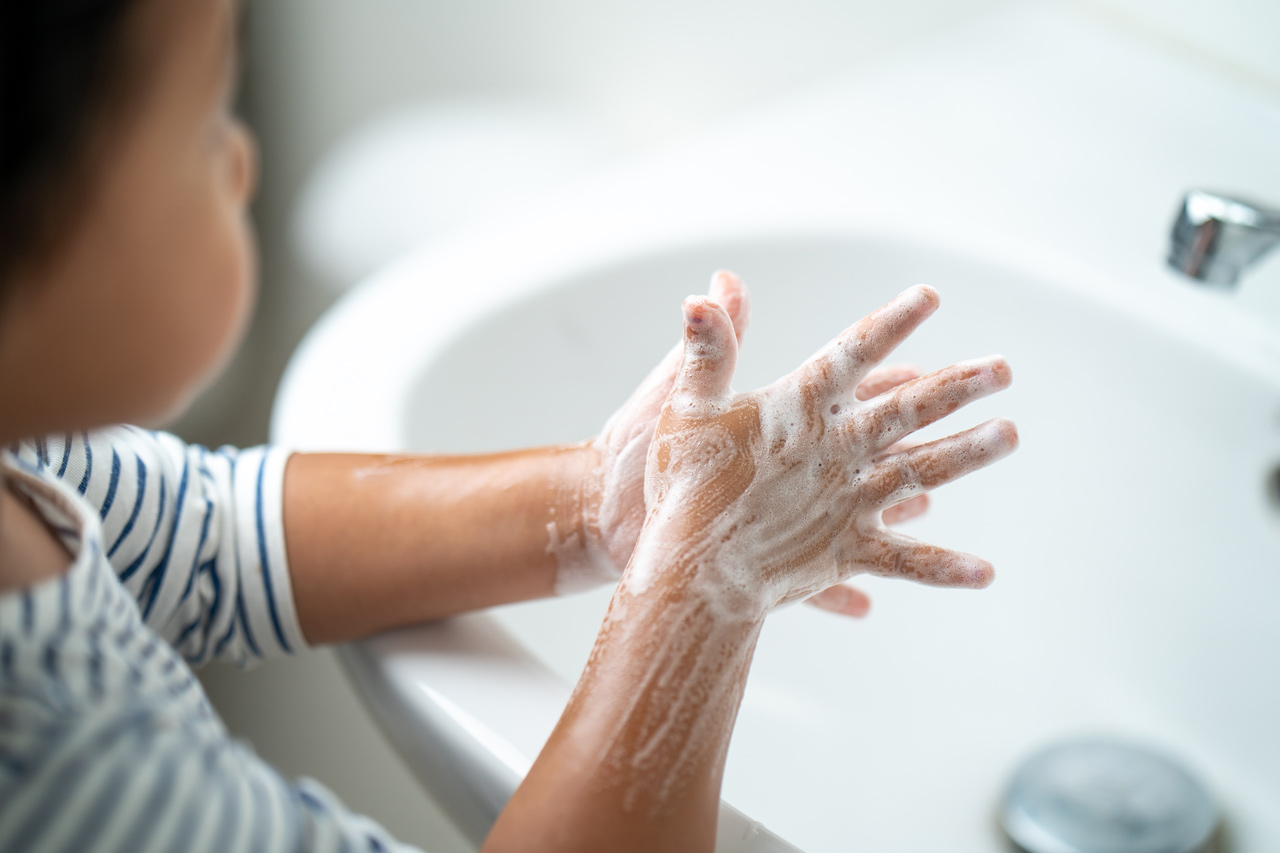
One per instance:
(196, 535)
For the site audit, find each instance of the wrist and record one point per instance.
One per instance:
(675, 560)
(574, 534)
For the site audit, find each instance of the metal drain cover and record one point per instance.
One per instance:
(1105, 795)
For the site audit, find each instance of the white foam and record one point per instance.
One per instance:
(756, 500)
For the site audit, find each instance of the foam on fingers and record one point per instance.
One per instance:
(939, 462)
(728, 291)
(841, 365)
(788, 482)
(911, 472)
(891, 554)
(913, 507)
(843, 599)
(710, 350)
(885, 378)
(920, 402)
(880, 332)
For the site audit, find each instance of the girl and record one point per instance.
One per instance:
(126, 274)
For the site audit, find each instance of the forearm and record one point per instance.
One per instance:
(636, 761)
(376, 542)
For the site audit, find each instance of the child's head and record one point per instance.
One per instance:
(126, 260)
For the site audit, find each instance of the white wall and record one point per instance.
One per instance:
(1241, 37)
(651, 73)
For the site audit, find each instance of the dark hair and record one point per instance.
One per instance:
(61, 63)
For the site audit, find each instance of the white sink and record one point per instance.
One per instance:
(1136, 533)
(1132, 532)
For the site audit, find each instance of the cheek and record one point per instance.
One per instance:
(232, 294)
(132, 322)
(208, 316)
(147, 299)
(183, 307)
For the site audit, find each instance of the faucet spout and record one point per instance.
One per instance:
(1215, 237)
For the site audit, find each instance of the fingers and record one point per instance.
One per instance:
(843, 599)
(889, 554)
(900, 476)
(647, 400)
(710, 350)
(905, 511)
(885, 378)
(728, 291)
(922, 401)
(844, 362)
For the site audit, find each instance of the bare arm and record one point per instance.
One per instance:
(378, 542)
(636, 761)
(754, 500)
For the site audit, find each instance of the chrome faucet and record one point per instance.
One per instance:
(1215, 237)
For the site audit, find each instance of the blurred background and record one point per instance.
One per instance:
(387, 123)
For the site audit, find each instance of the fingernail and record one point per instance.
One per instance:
(692, 311)
(1009, 431)
(970, 572)
(697, 310)
(1000, 367)
(928, 295)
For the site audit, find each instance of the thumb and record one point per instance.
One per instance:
(730, 293)
(710, 350)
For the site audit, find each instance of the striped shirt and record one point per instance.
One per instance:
(107, 741)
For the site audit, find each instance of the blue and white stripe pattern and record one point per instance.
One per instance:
(107, 741)
(186, 530)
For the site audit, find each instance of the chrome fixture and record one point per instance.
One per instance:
(1106, 795)
(1215, 237)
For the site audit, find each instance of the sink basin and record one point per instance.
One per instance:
(1027, 168)
(1134, 535)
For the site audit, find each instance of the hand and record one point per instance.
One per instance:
(613, 506)
(752, 500)
(777, 494)
(846, 599)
